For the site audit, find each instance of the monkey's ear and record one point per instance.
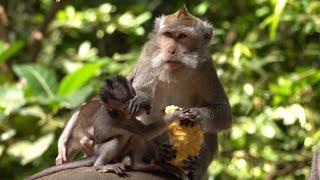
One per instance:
(208, 35)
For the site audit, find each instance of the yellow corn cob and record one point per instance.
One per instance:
(186, 140)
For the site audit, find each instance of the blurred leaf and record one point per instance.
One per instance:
(11, 98)
(266, 53)
(36, 111)
(276, 17)
(202, 8)
(1, 47)
(42, 80)
(7, 135)
(142, 18)
(29, 151)
(13, 49)
(77, 79)
(1, 150)
(77, 97)
(126, 20)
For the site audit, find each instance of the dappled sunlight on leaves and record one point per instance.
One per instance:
(266, 53)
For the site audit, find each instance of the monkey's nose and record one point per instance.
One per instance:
(172, 51)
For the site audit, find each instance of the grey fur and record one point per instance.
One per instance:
(196, 87)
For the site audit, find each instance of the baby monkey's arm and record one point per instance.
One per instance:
(150, 131)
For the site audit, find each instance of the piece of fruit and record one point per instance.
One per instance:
(186, 140)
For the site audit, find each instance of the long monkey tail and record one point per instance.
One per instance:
(72, 165)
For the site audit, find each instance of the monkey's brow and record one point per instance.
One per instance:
(179, 27)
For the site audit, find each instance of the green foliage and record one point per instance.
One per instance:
(266, 54)
(42, 81)
(71, 82)
(12, 50)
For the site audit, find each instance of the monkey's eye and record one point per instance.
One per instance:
(182, 36)
(168, 34)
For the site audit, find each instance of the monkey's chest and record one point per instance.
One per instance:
(177, 94)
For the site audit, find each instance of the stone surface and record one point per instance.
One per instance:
(89, 173)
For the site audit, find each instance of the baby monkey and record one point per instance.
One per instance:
(117, 133)
(78, 132)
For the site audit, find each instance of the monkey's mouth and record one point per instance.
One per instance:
(173, 64)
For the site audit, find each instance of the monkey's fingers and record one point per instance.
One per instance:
(136, 109)
(167, 148)
(130, 107)
(120, 169)
(191, 163)
(186, 123)
(134, 106)
(195, 114)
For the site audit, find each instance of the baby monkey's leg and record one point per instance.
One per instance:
(107, 151)
(87, 145)
(139, 149)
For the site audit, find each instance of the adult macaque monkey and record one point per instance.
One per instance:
(175, 68)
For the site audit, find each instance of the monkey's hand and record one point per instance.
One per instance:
(189, 117)
(165, 153)
(191, 163)
(139, 102)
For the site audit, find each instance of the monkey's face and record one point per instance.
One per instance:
(121, 108)
(180, 38)
(117, 106)
(176, 48)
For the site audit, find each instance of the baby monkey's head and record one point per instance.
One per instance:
(116, 93)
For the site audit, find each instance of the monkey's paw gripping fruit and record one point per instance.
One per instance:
(186, 140)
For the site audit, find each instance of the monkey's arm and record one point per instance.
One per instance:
(216, 111)
(143, 75)
(150, 131)
(315, 169)
(215, 117)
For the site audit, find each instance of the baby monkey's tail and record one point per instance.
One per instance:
(72, 165)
